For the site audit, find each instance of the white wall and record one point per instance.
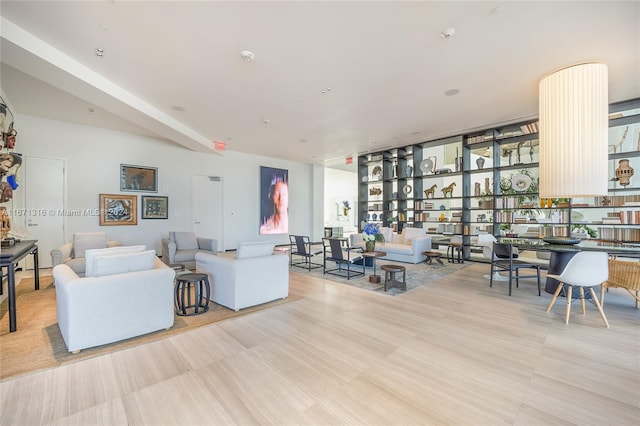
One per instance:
(93, 157)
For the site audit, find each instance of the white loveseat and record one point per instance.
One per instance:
(72, 254)
(254, 276)
(405, 247)
(127, 292)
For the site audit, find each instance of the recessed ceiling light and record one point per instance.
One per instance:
(178, 108)
(247, 55)
(266, 121)
(105, 27)
(99, 52)
(452, 92)
(448, 33)
(327, 90)
(91, 110)
(495, 10)
(417, 132)
(302, 140)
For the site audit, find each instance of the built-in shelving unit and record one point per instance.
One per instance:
(493, 180)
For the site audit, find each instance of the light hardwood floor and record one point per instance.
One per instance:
(452, 352)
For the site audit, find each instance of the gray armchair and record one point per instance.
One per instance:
(181, 248)
(72, 254)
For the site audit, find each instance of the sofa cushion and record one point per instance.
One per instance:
(185, 240)
(91, 255)
(122, 263)
(404, 249)
(409, 234)
(87, 241)
(254, 249)
(397, 239)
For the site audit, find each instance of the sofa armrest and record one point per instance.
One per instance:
(208, 244)
(420, 244)
(61, 254)
(168, 251)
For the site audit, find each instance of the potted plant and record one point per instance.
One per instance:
(371, 234)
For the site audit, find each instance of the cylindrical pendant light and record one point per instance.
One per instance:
(574, 111)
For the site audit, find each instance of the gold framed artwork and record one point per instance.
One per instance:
(154, 207)
(138, 178)
(118, 209)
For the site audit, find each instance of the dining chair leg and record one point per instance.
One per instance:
(555, 296)
(597, 303)
(582, 304)
(602, 292)
(568, 310)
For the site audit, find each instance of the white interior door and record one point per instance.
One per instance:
(206, 193)
(44, 205)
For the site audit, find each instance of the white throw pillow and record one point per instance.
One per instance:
(387, 233)
(123, 263)
(91, 255)
(410, 233)
(87, 241)
(185, 240)
(254, 249)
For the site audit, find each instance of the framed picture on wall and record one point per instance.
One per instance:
(154, 207)
(138, 178)
(274, 201)
(118, 209)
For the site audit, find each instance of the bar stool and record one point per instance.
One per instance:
(455, 247)
(184, 301)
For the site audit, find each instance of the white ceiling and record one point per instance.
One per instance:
(386, 64)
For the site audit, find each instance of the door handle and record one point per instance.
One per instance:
(32, 224)
(196, 222)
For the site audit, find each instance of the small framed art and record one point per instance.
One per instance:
(138, 178)
(118, 209)
(154, 207)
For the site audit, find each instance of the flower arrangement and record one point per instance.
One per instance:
(371, 233)
(345, 208)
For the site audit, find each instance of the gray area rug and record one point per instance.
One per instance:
(416, 275)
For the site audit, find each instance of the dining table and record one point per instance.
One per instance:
(561, 253)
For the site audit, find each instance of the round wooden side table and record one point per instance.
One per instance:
(373, 255)
(188, 304)
(390, 277)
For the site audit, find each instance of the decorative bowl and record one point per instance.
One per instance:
(561, 240)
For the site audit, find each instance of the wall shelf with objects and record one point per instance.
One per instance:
(493, 175)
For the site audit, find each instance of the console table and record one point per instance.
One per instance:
(9, 257)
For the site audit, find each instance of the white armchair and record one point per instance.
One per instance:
(255, 276)
(127, 292)
(72, 254)
(181, 248)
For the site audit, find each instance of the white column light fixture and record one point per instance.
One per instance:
(574, 112)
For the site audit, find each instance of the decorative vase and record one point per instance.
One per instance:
(624, 172)
(346, 212)
(480, 162)
(370, 246)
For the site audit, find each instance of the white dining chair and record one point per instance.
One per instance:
(586, 269)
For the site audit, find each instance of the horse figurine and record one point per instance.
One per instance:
(448, 190)
(431, 191)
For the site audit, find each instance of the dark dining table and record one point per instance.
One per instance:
(562, 253)
(9, 258)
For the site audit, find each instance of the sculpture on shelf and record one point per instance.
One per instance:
(430, 191)
(624, 172)
(619, 144)
(448, 190)
(480, 162)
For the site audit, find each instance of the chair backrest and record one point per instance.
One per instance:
(503, 251)
(335, 246)
(184, 240)
(301, 243)
(586, 268)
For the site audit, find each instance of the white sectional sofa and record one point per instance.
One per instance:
(127, 292)
(254, 276)
(405, 247)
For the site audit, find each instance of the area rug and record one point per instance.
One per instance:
(416, 275)
(37, 344)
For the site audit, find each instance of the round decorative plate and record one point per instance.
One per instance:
(374, 217)
(377, 173)
(520, 182)
(367, 216)
(426, 166)
(407, 189)
(561, 240)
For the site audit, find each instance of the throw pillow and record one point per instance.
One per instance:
(123, 263)
(88, 240)
(91, 255)
(410, 233)
(254, 249)
(185, 240)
